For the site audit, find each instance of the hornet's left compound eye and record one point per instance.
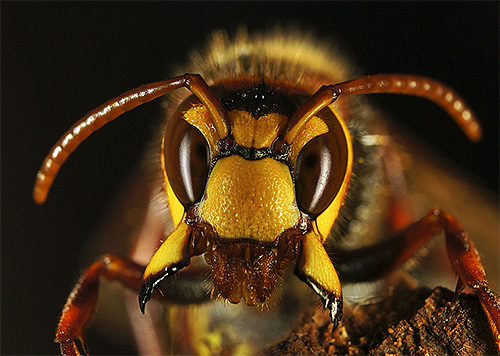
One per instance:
(187, 160)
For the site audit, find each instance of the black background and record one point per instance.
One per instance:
(59, 60)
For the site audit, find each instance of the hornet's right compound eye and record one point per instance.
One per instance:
(187, 161)
(319, 173)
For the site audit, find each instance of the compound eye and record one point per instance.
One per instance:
(319, 173)
(187, 161)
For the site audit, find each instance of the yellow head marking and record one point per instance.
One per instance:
(256, 133)
(199, 117)
(175, 206)
(311, 129)
(250, 199)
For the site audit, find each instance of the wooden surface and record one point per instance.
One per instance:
(407, 322)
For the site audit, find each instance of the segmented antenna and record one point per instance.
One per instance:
(427, 88)
(113, 108)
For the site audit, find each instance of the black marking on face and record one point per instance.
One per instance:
(259, 100)
(228, 147)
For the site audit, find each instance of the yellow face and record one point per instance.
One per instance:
(257, 200)
(252, 200)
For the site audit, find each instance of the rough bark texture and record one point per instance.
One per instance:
(407, 322)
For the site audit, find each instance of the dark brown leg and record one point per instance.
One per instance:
(374, 261)
(80, 306)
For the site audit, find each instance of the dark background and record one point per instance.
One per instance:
(59, 60)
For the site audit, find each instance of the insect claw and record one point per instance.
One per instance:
(335, 305)
(315, 268)
(145, 294)
(150, 283)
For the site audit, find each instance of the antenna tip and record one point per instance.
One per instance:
(41, 188)
(474, 131)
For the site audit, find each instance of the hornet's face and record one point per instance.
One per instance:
(253, 201)
(249, 204)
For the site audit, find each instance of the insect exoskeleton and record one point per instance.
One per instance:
(263, 164)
